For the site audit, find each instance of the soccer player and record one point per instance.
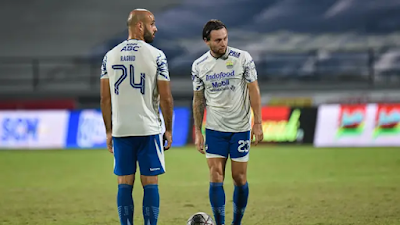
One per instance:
(225, 82)
(134, 84)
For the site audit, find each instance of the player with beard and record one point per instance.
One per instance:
(225, 83)
(134, 84)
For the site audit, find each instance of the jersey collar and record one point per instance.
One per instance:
(132, 39)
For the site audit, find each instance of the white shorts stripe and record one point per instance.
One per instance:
(208, 155)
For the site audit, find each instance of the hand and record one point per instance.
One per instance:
(109, 142)
(167, 137)
(257, 131)
(199, 141)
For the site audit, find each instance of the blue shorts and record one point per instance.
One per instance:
(224, 144)
(147, 151)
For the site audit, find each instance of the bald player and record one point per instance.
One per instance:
(225, 82)
(135, 82)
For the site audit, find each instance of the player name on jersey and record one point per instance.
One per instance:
(128, 58)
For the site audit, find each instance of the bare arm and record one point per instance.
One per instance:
(255, 101)
(250, 75)
(199, 104)
(166, 103)
(105, 104)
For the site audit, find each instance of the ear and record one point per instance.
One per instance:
(205, 41)
(140, 25)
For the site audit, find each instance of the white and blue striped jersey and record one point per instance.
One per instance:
(224, 81)
(133, 68)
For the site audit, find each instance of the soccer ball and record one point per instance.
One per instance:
(200, 218)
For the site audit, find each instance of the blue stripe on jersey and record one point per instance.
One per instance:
(104, 66)
(162, 67)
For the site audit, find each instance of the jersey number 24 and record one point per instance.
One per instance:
(131, 73)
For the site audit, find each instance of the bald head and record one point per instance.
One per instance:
(139, 15)
(141, 25)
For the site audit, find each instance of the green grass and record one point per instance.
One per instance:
(288, 185)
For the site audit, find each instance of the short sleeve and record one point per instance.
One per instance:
(162, 67)
(104, 74)
(198, 84)
(250, 72)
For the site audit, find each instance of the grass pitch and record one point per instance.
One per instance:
(288, 185)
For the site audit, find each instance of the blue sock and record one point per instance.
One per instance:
(125, 204)
(240, 197)
(151, 204)
(217, 200)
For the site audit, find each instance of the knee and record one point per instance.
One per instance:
(239, 179)
(216, 175)
(128, 179)
(146, 180)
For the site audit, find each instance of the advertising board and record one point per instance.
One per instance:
(284, 124)
(358, 125)
(33, 129)
(86, 128)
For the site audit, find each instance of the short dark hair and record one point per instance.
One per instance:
(210, 26)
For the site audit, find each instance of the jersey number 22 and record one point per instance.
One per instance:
(131, 73)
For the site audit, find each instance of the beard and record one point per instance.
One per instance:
(148, 36)
(218, 51)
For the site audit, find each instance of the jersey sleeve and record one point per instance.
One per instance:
(162, 67)
(104, 74)
(198, 84)
(250, 72)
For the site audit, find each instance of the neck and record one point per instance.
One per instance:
(215, 55)
(135, 36)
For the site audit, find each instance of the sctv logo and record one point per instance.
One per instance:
(20, 129)
(91, 129)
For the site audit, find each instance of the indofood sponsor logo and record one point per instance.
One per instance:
(221, 75)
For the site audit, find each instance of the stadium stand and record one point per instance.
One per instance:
(48, 46)
(289, 25)
(294, 42)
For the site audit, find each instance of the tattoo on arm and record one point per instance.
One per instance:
(199, 104)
